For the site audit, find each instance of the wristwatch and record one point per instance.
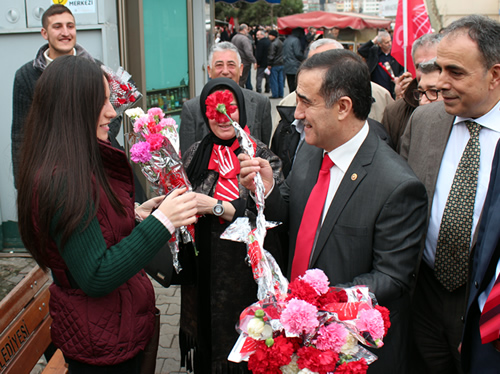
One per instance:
(218, 209)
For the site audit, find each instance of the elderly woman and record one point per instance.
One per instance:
(224, 283)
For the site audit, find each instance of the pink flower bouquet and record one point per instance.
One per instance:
(155, 147)
(314, 328)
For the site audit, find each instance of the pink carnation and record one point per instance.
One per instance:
(155, 141)
(317, 279)
(139, 123)
(140, 152)
(299, 316)
(169, 122)
(371, 320)
(156, 112)
(331, 337)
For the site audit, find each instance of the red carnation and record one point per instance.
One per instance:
(300, 289)
(313, 359)
(385, 316)
(219, 103)
(155, 141)
(353, 367)
(268, 360)
(332, 296)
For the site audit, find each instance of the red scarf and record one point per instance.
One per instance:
(224, 161)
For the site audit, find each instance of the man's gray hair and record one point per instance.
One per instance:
(318, 43)
(428, 67)
(426, 40)
(243, 26)
(484, 31)
(382, 34)
(221, 47)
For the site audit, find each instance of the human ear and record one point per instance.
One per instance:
(345, 107)
(495, 76)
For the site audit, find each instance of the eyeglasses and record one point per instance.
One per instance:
(431, 94)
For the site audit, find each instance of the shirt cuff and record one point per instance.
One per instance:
(252, 195)
(164, 220)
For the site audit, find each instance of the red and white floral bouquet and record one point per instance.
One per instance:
(314, 329)
(155, 147)
(123, 92)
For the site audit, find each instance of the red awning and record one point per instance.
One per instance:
(329, 20)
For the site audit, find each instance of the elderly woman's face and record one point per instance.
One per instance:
(225, 131)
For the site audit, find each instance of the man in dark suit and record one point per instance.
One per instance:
(476, 356)
(373, 217)
(438, 143)
(225, 62)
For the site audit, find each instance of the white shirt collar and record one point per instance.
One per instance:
(343, 155)
(489, 120)
(49, 60)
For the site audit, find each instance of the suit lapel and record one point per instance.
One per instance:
(437, 141)
(250, 109)
(352, 178)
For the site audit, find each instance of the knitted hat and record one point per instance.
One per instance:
(273, 33)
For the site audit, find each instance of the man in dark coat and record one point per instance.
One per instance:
(293, 55)
(383, 67)
(261, 51)
(478, 357)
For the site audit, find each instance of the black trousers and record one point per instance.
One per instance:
(438, 323)
(132, 366)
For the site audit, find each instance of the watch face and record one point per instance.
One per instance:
(218, 210)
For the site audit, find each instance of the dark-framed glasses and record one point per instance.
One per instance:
(431, 94)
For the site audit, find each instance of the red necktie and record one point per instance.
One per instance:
(489, 322)
(311, 220)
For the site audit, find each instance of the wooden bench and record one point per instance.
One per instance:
(25, 327)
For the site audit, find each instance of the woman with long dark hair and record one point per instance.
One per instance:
(76, 217)
(223, 284)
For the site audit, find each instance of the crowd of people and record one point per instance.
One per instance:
(379, 178)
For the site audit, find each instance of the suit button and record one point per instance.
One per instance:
(476, 284)
(462, 318)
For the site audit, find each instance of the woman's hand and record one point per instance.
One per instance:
(180, 207)
(249, 169)
(205, 205)
(145, 209)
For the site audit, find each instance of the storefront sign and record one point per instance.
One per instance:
(78, 6)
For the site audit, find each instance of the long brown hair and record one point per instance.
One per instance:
(61, 169)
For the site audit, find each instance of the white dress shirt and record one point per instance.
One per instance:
(488, 137)
(342, 158)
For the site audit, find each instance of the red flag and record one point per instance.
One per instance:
(417, 24)
(231, 25)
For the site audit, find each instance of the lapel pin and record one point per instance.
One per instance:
(354, 177)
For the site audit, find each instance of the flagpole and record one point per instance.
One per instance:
(405, 32)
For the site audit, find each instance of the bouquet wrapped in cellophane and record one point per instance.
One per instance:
(155, 147)
(123, 93)
(314, 329)
(306, 326)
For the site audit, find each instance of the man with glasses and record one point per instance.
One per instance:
(427, 91)
(397, 114)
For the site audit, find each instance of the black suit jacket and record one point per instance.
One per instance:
(484, 264)
(371, 234)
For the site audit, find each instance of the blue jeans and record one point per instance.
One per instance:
(277, 81)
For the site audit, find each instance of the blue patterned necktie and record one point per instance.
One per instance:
(452, 250)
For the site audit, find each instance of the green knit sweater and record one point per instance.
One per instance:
(98, 270)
